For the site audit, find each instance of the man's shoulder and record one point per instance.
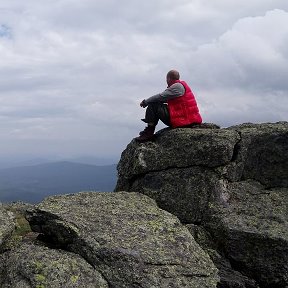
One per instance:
(178, 86)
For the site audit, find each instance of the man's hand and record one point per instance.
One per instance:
(143, 104)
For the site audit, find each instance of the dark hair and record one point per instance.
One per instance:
(173, 74)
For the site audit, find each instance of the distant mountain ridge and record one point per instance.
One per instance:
(20, 161)
(33, 183)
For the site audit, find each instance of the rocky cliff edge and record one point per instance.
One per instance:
(230, 186)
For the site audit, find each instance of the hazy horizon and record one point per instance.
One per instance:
(35, 182)
(31, 160)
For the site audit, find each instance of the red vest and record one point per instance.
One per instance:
(184, 110)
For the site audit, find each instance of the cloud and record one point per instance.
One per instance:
(245, 70)
(252, 48)
(72, 73)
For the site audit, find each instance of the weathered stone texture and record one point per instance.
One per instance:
(232, 182)
(38, 266)
(127, 238)
(178, 148)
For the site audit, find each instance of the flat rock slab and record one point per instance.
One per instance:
(178, 148)
(32, 265)
(127, 238)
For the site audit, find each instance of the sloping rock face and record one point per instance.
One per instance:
(7, 225)
(118, 239)
(233, 183)
(32, 265)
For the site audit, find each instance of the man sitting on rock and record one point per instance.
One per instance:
(175, 107)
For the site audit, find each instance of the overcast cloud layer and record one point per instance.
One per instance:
(72, 73)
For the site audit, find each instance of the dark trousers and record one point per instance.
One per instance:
(157, 111)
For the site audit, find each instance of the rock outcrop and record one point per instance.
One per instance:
(231, 184)
(190, 201)
(117, 239)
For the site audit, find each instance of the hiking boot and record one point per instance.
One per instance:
(145, 130)
(146, 135)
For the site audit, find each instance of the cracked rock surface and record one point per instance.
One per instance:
(126, 238)
(232, 183)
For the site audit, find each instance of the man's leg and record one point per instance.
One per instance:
(154, 113)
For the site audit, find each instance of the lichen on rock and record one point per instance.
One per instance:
(7, 226)
(32, 265)
(127, 238)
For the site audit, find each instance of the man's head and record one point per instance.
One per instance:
(172, 75)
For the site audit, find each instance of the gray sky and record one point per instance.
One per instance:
(72, 73)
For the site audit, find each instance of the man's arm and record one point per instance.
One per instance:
(174, 91)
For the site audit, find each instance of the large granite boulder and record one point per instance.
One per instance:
(232, 182)
(177, 148)
(125, 237)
